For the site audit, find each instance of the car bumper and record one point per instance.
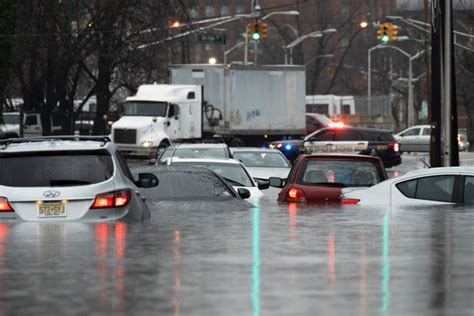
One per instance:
(137, 151)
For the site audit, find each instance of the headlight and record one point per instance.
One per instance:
(271, 146)
(148, 143)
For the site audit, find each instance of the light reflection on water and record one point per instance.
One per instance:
(271, 259)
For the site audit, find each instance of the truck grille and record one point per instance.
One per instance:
(125, 136)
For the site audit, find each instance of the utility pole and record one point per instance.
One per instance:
(451, 154)
(436, 158)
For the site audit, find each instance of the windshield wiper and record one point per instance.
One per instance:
(233, 182)
(65, 182)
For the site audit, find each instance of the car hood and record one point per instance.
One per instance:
(265, 173)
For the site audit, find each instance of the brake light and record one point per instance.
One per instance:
(350, 201)
(296, 195)
(394, 146)
(118, 198)
(460, 138)
(5, 206)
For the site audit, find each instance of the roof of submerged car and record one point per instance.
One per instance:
(54, 143)
(206, 160)
(201, 145)
(339, 156)
(253, 149)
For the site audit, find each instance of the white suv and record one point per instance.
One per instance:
(62, 178)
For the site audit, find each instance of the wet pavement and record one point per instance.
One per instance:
(238, 260)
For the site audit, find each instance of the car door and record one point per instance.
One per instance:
(173, 124)
(425, 139)
(409, 139)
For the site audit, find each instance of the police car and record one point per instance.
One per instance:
(345, 139)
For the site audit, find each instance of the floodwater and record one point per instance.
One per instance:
(197, 259)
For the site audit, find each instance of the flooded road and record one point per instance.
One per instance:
(238, 260)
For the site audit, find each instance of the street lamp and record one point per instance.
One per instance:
(300, 39)
(411, 58)
(212, 60)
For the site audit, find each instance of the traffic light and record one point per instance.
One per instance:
(383, 33)
(250, 29)
(256, 31)
(263, 30)
(393, 32)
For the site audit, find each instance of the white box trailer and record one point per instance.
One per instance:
(251, 104)
(333, 106)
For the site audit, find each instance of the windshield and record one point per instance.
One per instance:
(134, 108)
(262, 159)
(344, 173)
(44, 169)
(11, 118)
(234, 173)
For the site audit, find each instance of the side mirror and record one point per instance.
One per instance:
(147, 180)
(176, 117)
(276, 182)
(263, 185)
(243, 193)
(167, 123)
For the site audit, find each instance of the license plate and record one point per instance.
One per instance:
(51, 209)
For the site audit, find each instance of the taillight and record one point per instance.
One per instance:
(5, 206)
(350, 201)
(460, 138)
(118, 198)
(296, 195)
(395, 147)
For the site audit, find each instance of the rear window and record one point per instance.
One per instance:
(340, 172)
(189, 185)
(200, 153)
(262, 159)
(44, 169)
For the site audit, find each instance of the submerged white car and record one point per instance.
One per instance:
(62, 178)
(233, 171)
(263, 163)
(435, 186)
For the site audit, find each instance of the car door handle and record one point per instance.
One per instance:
(137, 193)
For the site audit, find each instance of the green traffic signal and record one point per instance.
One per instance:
(385, 38)
(256, 36)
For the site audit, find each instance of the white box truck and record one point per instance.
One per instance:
(238, 105)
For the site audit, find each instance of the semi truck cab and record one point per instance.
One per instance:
(156, 116)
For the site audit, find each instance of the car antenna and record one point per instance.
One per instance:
(427, 165)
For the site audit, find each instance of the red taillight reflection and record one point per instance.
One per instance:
(118, 198)
(350, 201)
(5, 206)
(296, 195)
(395, 147)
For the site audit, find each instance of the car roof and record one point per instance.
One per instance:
(339, 156)
(365, 129)
(207, 160)
(254, 149)
(437, 170)
(201, 145)
(54, 143)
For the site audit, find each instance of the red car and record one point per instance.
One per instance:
(319, 178)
